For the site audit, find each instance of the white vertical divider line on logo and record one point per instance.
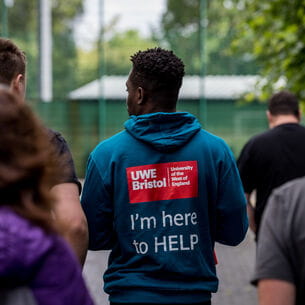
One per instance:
(168, 177)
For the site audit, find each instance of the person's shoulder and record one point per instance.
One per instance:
(10, 220)
(210, 137)
(290, 198)
(287, 129)
(258, 141)
(20, 229)
(216, 144)
(22, 243)
(262, 136)
(65, 159)
(59, 143)
(295, 187)
(291, 126)
(113, 143)
(57, 139)
(299, 128)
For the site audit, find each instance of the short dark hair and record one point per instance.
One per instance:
(284, 102)
(157, 70)
(12, 61)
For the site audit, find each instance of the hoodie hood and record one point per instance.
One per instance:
(164, 131)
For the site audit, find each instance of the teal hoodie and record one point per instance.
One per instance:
(159, 194)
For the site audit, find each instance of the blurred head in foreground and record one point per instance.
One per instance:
(27, 164)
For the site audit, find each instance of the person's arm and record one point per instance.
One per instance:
(232, 220)
(69, 212)
(67, 190)
(276, 292)
(98, 207)
(251, 213)
(274, 272)
(248, 175)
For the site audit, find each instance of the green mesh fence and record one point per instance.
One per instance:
(79, 122)
(91, 38)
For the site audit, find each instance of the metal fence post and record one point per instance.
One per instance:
(4, 19)
(202, 41)
(101, 73)
(45, 54)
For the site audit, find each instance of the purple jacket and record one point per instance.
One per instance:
(30, 256)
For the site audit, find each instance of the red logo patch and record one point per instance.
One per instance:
(163, 181)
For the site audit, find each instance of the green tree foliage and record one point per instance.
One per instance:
(64, 48)
(274, 31)
(72, 66)
(113, 53)
(119, 49)
(181, 31)
(87, 66)
(23, 28)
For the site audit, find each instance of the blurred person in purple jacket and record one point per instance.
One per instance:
(32, 254)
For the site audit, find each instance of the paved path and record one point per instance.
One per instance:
(234, 270)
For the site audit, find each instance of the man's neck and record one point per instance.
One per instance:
(283, 119)
(152, 108)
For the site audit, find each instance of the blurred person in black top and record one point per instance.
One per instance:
(67, 190)
(275, 156)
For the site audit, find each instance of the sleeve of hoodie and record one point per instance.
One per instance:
(97, 205)
(231, 212)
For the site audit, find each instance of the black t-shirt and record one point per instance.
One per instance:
(270, 159)
(64, 153)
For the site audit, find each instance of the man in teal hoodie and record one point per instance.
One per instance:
(160, 193)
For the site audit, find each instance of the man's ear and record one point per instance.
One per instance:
(270, 118)
(269, 115)
(140, 95)
(18, 85)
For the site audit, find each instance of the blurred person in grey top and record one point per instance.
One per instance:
(280, 265)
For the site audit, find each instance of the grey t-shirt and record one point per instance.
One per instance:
(281, 244)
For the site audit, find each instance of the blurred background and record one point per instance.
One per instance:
(236, 52)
